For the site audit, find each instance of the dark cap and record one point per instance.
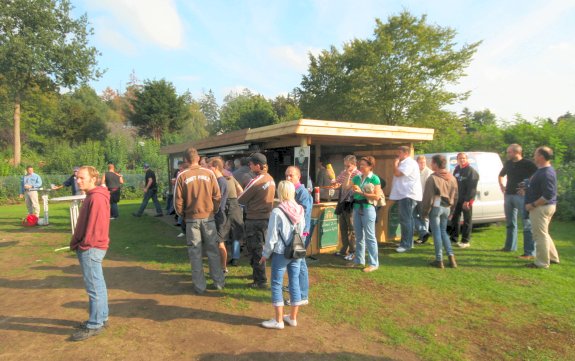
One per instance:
(146, 166)
(258, 158)
(76, 169)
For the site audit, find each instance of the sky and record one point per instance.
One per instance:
(525, 64)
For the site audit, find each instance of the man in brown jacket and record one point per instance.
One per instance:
(439, 198)
(196, 196)
(258, 198)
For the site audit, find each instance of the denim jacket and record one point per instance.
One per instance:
(279, 223)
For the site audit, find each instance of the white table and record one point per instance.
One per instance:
(74, 207)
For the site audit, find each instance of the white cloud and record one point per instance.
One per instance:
(294, 57)
(155, 21)
(107, 35)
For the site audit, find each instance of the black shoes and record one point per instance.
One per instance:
(235, 262)
(258, 285)
(85, 333)
(83, 325)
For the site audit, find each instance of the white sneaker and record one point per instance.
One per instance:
(181, 235)
(289, 321)
(463, 245)
(273, 324)
(349, 257)
(400, 249)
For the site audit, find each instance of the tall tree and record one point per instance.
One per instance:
(157, 109)
(42, 45)
(209, 106)
(83, 117)
(286, 108)
(398, 77)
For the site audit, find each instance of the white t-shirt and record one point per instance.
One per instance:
(424, 174)
(409, 184)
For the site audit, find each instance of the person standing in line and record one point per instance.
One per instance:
(517, 170)
(406, 191)
(70, 182)
(343, 182)
(234, 225)
(150, 191)
(29, 187)
(280, 233)
(367, 189)
(113, 180)
(180, 222)
(216, 165)
(467, 179)
(439, 198)
(540, 202)
(91, 241)
(258, 199)
(421, 222)
(243, 173)
(303, 198)
(196, 198)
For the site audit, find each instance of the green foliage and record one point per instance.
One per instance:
(286, 108)
(116, 150)
(83, 117)
(42, 45)
(157, 109)
(209, 107)
(398, 77)
(566, 191)
(60, 157)
(246, 110)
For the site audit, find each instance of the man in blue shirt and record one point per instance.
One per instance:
(72, 183)
(29, 187)
(303, 198)
(540, 202)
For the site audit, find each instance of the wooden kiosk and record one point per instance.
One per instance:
(302, 142)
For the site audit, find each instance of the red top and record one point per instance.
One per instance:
(93, 227)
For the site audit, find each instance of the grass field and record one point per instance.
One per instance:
(491, 307)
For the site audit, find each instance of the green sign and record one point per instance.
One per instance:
(328, 229)
(393, 227)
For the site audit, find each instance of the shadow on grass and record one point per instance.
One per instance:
(135, 279)
(8, 243)
(290, 356)
(51, 326)
(150, 309)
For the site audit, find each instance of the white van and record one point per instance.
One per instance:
(488, 205)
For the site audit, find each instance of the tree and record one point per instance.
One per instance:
(83, 117)
(246, 110)
(157, 109)
(211, 110)
(286, 108)
(398, 77)
(42, 45)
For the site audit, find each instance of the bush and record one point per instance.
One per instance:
(566, 192)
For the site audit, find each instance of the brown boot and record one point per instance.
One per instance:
(437, 264)
(452, 262)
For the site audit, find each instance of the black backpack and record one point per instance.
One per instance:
(296, 249)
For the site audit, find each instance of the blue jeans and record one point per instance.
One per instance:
(114, 213)
(421, 223)
(279, 266)
(514, 205)
(303, 280)
(364, 226)
(153, 194)
(235, 249)
(91, 266)
(406, 206)
(438, 221)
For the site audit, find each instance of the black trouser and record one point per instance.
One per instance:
(465, 227)
(256, 230)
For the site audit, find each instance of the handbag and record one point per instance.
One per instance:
(296, 249)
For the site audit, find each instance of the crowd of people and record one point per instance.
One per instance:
(219, 202)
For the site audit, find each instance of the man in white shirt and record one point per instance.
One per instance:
(421, 222)
(406, 191)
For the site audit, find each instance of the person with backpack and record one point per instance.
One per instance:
(287, 221)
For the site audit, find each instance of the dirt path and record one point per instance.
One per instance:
(154, 316)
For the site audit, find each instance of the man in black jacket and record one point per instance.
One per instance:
(467, 179)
